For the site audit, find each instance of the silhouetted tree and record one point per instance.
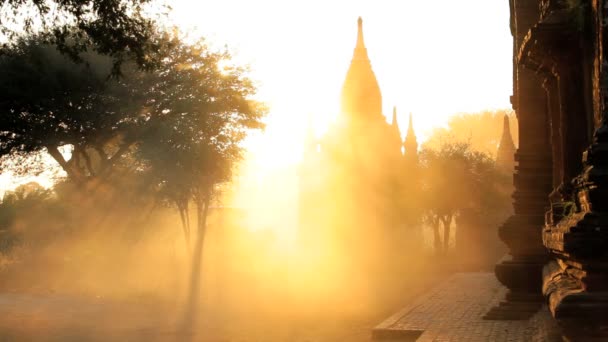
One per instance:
(481, 130)
(118, 29)
(189, 158)
(180, 125)
(455, 178)
(18, 206)
(49, 102)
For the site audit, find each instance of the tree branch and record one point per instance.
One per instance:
(87, 161)
(106, 168)
(65, 165)
(102, 154)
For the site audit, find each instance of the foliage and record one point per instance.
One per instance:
(117, 28)
(455, 178)
(179, 127)
(15, 206)
(481, 130)
(49, 101)
(211, 113)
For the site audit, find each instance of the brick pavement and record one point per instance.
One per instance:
(453, 311)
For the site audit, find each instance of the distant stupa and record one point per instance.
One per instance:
(356, 184)
(505, 156)
(361, 96)
(411, 143)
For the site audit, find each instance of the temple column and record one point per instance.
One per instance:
(574, 123)
(576, 281)
(521, 270)
(552, 90)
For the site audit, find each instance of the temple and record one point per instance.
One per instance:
(361, 163)
(558, 234)
(506, 149)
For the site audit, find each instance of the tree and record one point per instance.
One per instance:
(117, 29)
(189, 159)
(48, 102)
(179, 126)
(21, 204)
(481, 130)
(456, 178)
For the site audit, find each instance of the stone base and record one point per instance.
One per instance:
(581, 310)
(524, 279)
(521, 276)
(516, 306)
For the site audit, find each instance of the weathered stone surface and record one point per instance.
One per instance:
(532, 178)
(565, 49)
(454, 311)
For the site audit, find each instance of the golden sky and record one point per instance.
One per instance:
(431, 58)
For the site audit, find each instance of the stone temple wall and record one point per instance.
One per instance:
(558, 235)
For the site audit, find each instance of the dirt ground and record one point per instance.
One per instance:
(60, 317)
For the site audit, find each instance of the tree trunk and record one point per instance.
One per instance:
(437, 238)
(192, 305)
(447, 221)
(184, 217)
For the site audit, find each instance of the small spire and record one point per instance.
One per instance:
(507, 140)
(411, 143)
(506, 147)
(396, 132)
(360, 43)
(360, 50)
(395, 125)
(506, 128)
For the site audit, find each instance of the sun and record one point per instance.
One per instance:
(299, 52)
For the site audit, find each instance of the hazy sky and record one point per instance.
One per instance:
(431, 58)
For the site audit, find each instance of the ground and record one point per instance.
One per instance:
(455, 309)
(60, 317)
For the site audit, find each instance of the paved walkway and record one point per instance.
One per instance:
(453, 311)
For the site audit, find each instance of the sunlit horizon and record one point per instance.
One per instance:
(430, 59)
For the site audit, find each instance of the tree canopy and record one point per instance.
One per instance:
(118, 29)
(48, 101)
(211, 111)
(455, 178)
(482, 130)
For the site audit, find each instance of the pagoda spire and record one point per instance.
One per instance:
(505, 156)
(411, 143)
(361, 97)
(396, 132)
(360, 50)
(394, 123)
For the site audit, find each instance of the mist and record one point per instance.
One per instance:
(157, 226)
